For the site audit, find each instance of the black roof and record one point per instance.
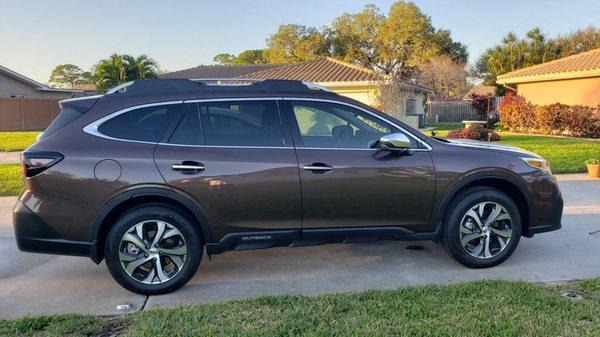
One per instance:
(173, 86)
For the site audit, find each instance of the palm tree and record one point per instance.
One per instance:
(119, 69)
(141, 67)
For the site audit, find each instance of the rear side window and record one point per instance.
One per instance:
(243, 123)
(144, 124)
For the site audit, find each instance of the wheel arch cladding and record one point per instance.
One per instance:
(123, 202)
(498, 180)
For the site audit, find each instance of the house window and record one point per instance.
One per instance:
(18, 96)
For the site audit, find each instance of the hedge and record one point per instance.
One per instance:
(518, 115)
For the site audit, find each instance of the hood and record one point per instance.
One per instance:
(475, 144)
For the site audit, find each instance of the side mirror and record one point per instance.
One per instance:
(395, 142)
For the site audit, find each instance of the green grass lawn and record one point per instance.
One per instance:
(11, 181)
(17, 140)
(565, 155)
(479, 308)
(446, 126)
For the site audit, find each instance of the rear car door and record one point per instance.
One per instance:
(345, 182)
(234, 159)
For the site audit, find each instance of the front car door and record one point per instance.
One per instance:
(232, 158)
(345, 182)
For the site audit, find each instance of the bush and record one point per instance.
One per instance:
(518, 115)
(592, 162)
(482, 104)
(476, 132)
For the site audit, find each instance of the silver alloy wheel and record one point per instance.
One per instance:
(152, 251)
(485, 230)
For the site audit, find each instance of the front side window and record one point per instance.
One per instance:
(143, 124)
(241, 123)
(331, 125)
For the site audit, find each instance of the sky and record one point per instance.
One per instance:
(38, 35)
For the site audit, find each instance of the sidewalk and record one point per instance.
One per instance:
(9, 157)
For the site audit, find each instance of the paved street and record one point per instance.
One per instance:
(37, 284)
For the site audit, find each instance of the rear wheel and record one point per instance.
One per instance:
(482, 228)
(153, 249)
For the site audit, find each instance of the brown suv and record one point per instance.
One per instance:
(153, 172)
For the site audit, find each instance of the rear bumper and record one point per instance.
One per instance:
(551, 218)
(34, 235)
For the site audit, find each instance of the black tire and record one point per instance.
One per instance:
(460, 205)
(175, 219)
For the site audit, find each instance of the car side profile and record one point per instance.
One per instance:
(152, 173)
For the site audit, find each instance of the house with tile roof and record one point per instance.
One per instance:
(341, 77)
(14, 85)
(480, 90)
(571, 80)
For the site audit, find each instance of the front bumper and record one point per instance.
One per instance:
(34, 235)
(550, 218)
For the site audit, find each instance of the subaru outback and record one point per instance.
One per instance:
(151, 174)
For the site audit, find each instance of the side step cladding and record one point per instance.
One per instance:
(311, 237)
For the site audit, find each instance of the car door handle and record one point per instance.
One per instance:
(318, 168)
(188, 167)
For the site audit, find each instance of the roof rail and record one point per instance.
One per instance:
(158, 86)
(120, 87)
(226, 80)
(314, 86)
(250, 81)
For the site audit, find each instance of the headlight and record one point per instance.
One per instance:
(538, 163)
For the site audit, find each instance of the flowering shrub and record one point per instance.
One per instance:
(476, 132)
(518, 115)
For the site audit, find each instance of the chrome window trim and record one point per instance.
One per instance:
(428, 147)
(231, 146)
(279, 147)
(351, 149)
(92, 128)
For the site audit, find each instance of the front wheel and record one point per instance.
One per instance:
(153, 249)
(482, 228)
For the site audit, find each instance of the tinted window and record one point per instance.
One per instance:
(145, 124)
(331, 125)
(188, 131)
(244, 123)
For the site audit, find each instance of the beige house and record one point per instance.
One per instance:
(15, 85)
(341, 77)
(572, 80)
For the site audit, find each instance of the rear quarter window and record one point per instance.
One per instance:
(144, 124)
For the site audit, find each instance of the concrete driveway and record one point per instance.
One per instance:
(39, 284)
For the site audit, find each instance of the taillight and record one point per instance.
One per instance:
(37, 162)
